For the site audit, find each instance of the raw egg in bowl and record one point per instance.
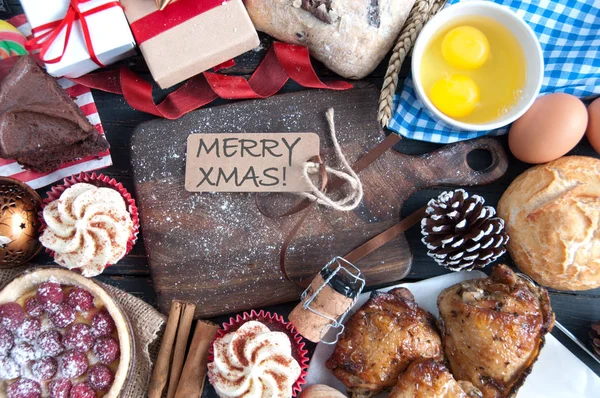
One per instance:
(477, 66)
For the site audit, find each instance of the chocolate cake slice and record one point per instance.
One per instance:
(40, 125)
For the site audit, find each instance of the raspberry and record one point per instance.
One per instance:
(50, 343)
(50, 293)
(73, 364)
(79, 337)
(9, 369)
(23, 353)
(44, 369)
(82, 390)
(52, 308)
(33, 307)
(7, 341)
(62, 315)
(30, 329)
(101, 378)
(11, 315)
(107, 350)
(80, 299)
(24, 388)
(103, 324)
(60, 388)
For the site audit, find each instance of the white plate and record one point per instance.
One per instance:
(558, 373)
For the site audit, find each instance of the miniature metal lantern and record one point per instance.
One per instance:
(19, 223)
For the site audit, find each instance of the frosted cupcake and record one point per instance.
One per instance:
(88, 227)
(255, 361)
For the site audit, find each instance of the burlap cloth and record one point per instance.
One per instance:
(146, 325)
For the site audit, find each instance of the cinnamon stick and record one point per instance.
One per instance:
(183, 333)
(192, 378)
(158, 381)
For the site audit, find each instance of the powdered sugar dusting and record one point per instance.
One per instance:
(217, 248)
(9, 369)
(24, 388)
(33, 356)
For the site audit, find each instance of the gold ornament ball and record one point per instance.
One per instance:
(19, 223)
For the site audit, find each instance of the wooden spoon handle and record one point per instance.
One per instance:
(448, 165)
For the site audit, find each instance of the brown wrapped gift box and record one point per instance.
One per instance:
(197, 44)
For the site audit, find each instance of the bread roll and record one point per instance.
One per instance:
(351, 37)
(552, 214)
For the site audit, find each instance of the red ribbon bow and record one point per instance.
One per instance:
(52, 30)
(282, 62)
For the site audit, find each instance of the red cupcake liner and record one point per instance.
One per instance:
(99, 180)
(275, 323)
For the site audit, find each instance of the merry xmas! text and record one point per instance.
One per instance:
(249, 162)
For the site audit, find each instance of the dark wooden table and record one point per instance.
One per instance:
(575, 310)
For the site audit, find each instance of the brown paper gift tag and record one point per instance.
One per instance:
(244, 162)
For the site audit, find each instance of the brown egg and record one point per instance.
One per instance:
(321, 391)
(593, 127)
(553, 125)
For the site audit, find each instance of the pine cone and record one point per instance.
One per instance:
(595, 335)
(461, 233)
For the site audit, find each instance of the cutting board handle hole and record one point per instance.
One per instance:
(479, 159)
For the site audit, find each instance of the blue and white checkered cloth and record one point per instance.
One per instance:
(569, 33)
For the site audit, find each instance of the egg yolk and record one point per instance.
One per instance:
(455, 96)
(465, 47)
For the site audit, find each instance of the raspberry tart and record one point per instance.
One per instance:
(61, 335)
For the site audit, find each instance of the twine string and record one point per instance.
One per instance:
(354, 195)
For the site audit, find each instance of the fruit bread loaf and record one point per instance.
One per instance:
(350, 37)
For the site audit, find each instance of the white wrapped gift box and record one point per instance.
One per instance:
(109, 31)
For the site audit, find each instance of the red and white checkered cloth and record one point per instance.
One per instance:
(83, 98)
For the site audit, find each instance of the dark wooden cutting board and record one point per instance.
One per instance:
(219, 251)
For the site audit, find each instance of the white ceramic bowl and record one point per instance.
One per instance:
(524, 34)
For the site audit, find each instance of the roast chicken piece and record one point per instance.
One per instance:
(428, 378)
(493, 330)
(381, 340)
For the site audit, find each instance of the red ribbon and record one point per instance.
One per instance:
(52, 30)
(230, 63)
(282, 62)
(174, 14)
